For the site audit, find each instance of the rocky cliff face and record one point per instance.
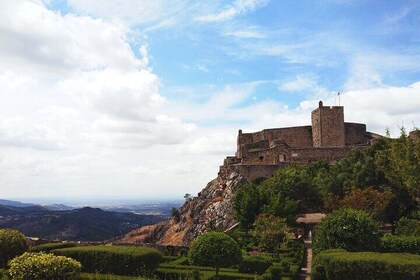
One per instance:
(211, 209)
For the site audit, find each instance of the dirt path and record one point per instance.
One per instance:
(305, 272)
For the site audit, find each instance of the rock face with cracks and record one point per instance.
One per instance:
(211, 209)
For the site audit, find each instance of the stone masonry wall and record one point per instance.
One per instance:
(328, 126)
(308, 155)
(300, 136)
(355, 133)
(266, 156)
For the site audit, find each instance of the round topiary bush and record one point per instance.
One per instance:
(215, 249)
(12, 244)
(41, 266)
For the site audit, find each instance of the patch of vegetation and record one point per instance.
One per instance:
(47, 247)
(339, 264)
(12, 244)
(97, 276)
(120, 260)
(348, 229)
(41, 266)
(400, 244)
(215, 249)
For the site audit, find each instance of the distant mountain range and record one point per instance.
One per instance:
(15, 203)
(56, 222)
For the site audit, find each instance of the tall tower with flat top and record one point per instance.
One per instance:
(328, 126)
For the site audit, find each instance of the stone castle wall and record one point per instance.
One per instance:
(300, 136)
(329, 138)
(355, 134)
(328, 126)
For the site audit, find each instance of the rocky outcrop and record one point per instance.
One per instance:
(211, 209)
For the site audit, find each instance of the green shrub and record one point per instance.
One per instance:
(285, 266)
(96, 276)
(348, 229)
(339, 264)
(12, 244)
(41, 266)
(47, 247)
(215, 249)
(174, 274)
(121, 260)
(3, 275)
(274, 271)
(408, 227)
(255, 264)
(400, 244)
(180, 261)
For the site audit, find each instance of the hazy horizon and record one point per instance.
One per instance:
(94, 202)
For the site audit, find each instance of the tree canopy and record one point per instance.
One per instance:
(215, 249)
(348, 229)
(382, 179)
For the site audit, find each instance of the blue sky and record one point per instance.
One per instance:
(141, 98)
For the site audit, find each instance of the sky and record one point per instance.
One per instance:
(141, 99)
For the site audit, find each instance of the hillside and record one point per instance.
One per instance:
(85, 224)
(211, 209)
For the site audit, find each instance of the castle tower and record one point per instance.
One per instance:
(328, 126)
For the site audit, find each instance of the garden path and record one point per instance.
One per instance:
(305, 272)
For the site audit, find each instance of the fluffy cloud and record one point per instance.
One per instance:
(73, 94)
(42, 40)
(22, 133)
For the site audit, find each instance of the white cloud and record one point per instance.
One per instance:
(238, 7)
(299, 83)
(22, 133)
(76, 103)
(42, 40)
(246, 34)
(382, 107)
(132, 11)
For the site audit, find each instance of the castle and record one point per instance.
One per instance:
(329, 138)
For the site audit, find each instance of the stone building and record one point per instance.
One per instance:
(260, 154)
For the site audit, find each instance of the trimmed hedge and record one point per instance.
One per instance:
(96, 276)
(255, 264)
(166, 273)
(400, 244)
(120, 260)
(41, 266)
(48, 247)
(339, 264)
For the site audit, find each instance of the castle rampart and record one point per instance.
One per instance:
(329, 138)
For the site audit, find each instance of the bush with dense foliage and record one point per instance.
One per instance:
(247, 205)
(348, 229)
(12, 244)
(122, 260)
(270, 231)
(400, 244)
(41, 266)
(408, 227)
(339, 264)
(274, 272)
(47, 247)
(255, 264)
(215, 249)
